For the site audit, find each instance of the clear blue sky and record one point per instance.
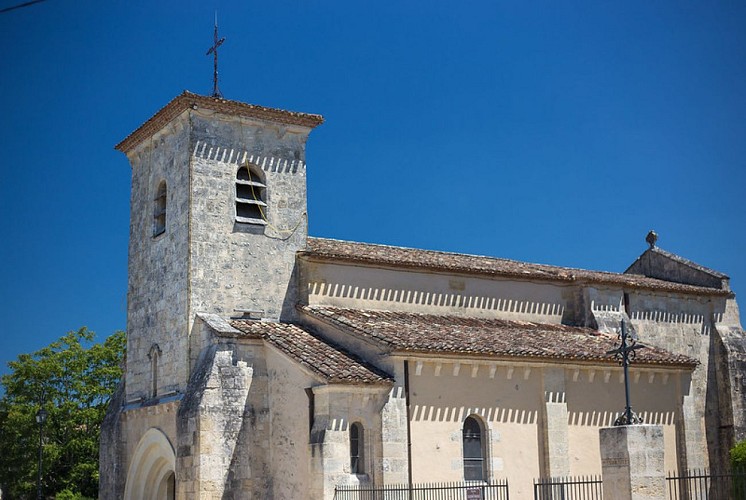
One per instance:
(552, 132)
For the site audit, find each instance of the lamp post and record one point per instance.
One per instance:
(41, 417)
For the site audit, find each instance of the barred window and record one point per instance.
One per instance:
(250, 197)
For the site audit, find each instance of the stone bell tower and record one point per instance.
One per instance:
(218, 210)
(217, 213)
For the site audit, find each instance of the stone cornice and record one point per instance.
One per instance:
(188, 100)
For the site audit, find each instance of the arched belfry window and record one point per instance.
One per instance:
(159, 210)
(250, 197)
(474, 450)
(357, 444)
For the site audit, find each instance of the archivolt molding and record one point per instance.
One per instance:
(152, 464)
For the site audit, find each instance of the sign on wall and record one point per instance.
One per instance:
(473, 493)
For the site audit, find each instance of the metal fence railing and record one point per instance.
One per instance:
(697, 484)
(701, 484)
(568, 488)
(477, 490)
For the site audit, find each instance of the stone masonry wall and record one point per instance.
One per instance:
(112, 458)
(729, 363)
(660, 264)
(336, 408)
(681, 325)
(157, 287)
(223, 450)
(238, 265)
(288, 427)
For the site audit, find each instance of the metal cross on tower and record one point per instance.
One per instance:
(625, 353)
(214, 51)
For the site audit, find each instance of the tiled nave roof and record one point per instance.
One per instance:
(456, 335)
(401, 257)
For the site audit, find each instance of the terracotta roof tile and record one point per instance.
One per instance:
(372, 254)
(330, 362)
(424, 333)
(188, 100)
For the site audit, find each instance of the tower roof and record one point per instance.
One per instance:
(187, 100)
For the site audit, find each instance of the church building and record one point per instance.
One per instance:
(263, 363)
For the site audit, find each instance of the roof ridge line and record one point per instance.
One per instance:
(447, 252)
(327, 248)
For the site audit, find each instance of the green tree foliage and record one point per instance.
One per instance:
(738, 455)
(75, 378)
(738, 461)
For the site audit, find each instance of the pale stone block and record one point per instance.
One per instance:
(632, 462)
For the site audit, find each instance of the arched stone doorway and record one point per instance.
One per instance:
(151, 473)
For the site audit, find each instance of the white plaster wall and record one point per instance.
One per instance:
(510, 407)
(432, 293)
(596, 397)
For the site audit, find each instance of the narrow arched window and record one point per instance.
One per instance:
(159, 210)
(473, 450)
(154, 354)
(250, 197)
(357, 440)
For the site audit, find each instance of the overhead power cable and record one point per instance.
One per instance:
(19, 6)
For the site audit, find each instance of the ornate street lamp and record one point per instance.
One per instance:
(41, 417)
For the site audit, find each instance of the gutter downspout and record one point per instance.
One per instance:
(409, 427)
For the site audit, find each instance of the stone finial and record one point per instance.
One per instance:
(651, 238)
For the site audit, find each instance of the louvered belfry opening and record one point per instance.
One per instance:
(251, 191)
